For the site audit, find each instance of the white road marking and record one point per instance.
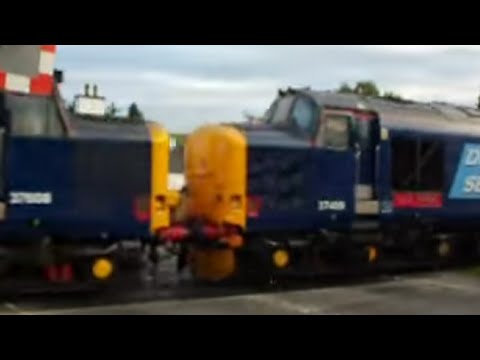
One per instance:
(351, 294)
(448, 285)
(348, 295)
(275, 302)
(14, 308)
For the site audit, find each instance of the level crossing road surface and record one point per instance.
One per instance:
(425, 293)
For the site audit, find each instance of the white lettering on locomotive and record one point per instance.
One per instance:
(473, 157)
(472, 185)
(332, 206)
(27, 198)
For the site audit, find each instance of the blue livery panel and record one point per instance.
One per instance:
(301, 188)
(466, 183)
(76, 188)
(462, 195)
(458, 206)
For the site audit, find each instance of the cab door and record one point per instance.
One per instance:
(365, 152)
(347, 130)
(3, 138)
(337, 171)
(366, 141)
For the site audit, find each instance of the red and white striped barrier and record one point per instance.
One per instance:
(40, 84)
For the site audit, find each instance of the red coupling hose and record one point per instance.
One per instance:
(175, 234)
(212, 232)
(179, 233)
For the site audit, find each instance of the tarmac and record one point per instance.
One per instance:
(436, 293)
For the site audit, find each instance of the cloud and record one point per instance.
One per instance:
(187, 85)
(422, 49)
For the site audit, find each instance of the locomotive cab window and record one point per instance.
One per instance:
(336, 133)
(268, 116)
(281, 110)
(417, 165)
(304, 116)
(33, 116)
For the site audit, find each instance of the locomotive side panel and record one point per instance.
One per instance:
(300, 189)
(462, 190)
(333, 188)
(415, 174)
(279, 198)
(86, 189)
(447, 196)
(112, 186)
(38, 184)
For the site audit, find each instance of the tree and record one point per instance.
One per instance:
(71, 106)
(112, 110)
(392, 96)
(367, 88)
(134, 113)
(345, 89)
(364, 88)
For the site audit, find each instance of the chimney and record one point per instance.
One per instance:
(87, 90)
(95, 90)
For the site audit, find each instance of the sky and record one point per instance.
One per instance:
(184, 86)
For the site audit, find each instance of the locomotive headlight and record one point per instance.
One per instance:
(160, 203)
(102, 269)
(236, 202)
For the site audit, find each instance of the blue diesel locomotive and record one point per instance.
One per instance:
(327, 178)
(73, 187)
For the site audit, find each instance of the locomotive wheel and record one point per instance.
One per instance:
(254, 267)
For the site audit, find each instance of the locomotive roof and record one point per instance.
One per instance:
(86, 127)
(432, 117)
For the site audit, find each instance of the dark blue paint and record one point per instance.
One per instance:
(93, 183)
(320, 174)
(383, 178)
(368, 134)
(292, 177)
(456, 214)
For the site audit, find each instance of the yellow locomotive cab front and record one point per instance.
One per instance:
(216, 172)
(216, 175)
(162, 200)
